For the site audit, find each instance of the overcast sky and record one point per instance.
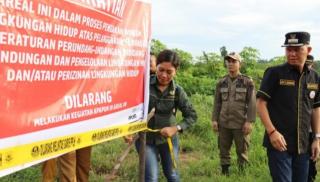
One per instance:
(207, 25)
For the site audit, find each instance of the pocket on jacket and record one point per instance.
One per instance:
(224, 94)
(241, 94)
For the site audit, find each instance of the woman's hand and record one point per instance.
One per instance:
(169, 131)
(128, 139)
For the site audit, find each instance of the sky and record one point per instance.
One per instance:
(206, 25)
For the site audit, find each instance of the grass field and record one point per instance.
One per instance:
(199, 156)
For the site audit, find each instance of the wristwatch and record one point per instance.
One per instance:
(179, 128)
(317, 136)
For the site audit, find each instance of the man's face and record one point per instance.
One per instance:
(232, 65)
(296, 56)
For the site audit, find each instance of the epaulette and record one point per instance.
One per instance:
(223, 79)
(248, 78)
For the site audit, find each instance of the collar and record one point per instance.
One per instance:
(239, 76)
(292, 68)
(154, 82)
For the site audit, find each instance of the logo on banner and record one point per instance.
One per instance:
(132, 117)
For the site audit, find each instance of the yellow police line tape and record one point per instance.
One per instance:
(26, 153)
(169, 140)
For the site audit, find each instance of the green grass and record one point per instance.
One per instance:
(199, 156)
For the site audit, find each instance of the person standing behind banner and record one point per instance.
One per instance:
(153, 64)
(166, 97)
(153, 68)
(286, 101)
(234, 112)
(73, 167)
(312, 163)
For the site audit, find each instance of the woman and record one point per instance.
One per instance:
(166, 97)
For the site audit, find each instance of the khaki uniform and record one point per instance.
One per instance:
(73, 167)
(234, 104)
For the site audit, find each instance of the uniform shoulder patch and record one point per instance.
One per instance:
(248, 79)
(223, 79)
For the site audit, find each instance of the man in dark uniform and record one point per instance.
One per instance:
(234, 111)
(309, 61)
(287, 99)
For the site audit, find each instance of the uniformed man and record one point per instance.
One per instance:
(73, 166)
(309, 61)
(233, 113)
(287, 100)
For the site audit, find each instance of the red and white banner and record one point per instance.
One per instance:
(72, 74)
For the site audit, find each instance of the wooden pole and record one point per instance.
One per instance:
(116, 167)
(142, 149)
(142, 138)
(142, 156)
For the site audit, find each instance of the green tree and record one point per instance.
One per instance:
(277, 60)
(223, 51)
(211, 65)
(250, 57)
(157, 46)
(185, 58)
(201, 78)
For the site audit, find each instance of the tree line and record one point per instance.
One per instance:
(199, 75)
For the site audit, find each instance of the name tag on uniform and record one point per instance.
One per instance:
(312, 86)
(287, 82)
(223, 89)
(241, 89)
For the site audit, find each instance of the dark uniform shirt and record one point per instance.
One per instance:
(165, 104)
(234, 102)
(290, 97)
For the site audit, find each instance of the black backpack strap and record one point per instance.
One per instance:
(176, 99)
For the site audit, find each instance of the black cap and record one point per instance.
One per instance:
(296, 39)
